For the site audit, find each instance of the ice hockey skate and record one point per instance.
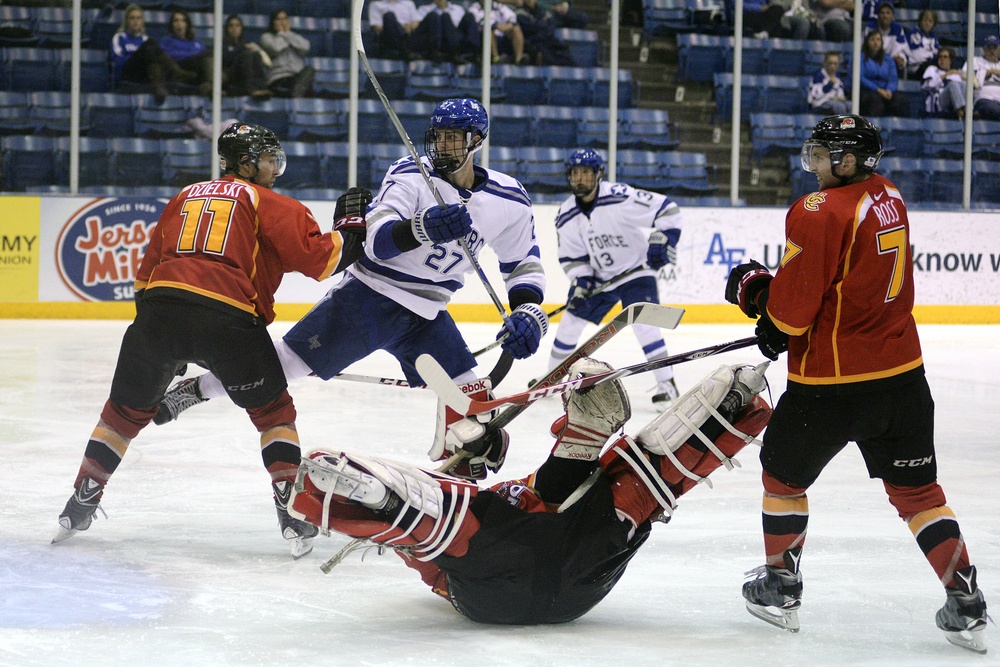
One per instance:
(666, 392)
(774, 594)
(963, 616)
(178, 398)
(80, 510)
(299, 533)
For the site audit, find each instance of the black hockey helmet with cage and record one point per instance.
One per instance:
(845, 134)
(243, 143)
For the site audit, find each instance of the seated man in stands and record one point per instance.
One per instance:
(826, 92)
(440, 36)
(393, 21)
(945, 87)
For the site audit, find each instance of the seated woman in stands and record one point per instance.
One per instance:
(137, 58)
(190, 54)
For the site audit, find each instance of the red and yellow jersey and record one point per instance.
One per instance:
(844, 289)
(232, 241)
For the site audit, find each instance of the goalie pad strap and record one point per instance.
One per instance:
(629, 451)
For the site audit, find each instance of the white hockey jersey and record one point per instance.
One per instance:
(424, 280)
(614, 236)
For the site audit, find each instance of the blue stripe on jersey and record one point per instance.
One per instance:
(392, 274)
(512, 194)
(507, 268)
(563, 218)
(609, 200)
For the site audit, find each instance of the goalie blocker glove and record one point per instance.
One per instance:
(438, 224)
(524, 330)
(662, 248)
(349, 213)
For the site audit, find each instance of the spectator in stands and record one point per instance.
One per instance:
(393, 21)
(539, 26)
(289, 75)
(945, 87)
(826, 93)
(987, 69)
(244, 64)
(879, 81)
(441, 35)
(761, 18)
(893, 34)
(798, 20)
(507, 39)
(137, 58)
(184, 47)
(834, 19)
(563, 16)
(922, 45)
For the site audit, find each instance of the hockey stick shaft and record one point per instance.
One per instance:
(356, 25)
(474, 407)
(371, 379)
(611, 284)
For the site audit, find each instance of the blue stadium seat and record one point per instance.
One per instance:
(135, 162)
(305, 165)
(723, 89)
(28, 163)
(902, 137)
(240, 7)
(641, 169)
(391, 75)
(701, 56)
(568, 86)
(754, 56)
(543, 169)
(20, 27)
(54, 26)
(687, 173)
(316, 30)
(951, 27)
(339, 44)
(593, 127)
(525, 85)
(335, 164)
(787, 57)
(272, 113)
(506, 160)
(415, 116)
(94, 163)
(467, 81)
(773, 132)
(95, 70)
(254, 25)
(379, 157)
(28, 68)
(943, 138)
(186, 161)
(14, 113)
(601, 88)
(428, 80)
(556, 126)
(333, 76)
(645, 128)
(166, 120)
(986, 24)
(915, 96)
(909, 175)
(316, 119)
(946, 180)
(816, 52)
(109, 114)
(986, 182)
(512, 125)
(802, 182)
(780, 94)
(986, 139)
(50, 113)
(373, 122)
(666, 17)
(584, 45)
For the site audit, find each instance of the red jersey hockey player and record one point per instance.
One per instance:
(841, 304)
(205, 294)
(547, 548)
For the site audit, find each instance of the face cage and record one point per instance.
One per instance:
(580, 190)
(448, 162)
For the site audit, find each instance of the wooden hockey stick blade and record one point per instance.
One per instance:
(475, 407)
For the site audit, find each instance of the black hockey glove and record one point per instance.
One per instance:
(349, 213)
(772, 341)
(745, 284)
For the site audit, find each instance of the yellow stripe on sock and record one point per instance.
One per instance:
(780, 506)
(112, 439)
(923, 519)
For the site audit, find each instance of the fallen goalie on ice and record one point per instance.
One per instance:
(549, 547)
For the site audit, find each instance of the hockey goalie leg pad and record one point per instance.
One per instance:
(404, 507)
(591, 415)
(637, 488)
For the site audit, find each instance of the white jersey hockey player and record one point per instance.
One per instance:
(395, 297)
(609, 255)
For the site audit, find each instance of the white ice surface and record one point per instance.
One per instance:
(190, 568)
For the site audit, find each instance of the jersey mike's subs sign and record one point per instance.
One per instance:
(101, 245)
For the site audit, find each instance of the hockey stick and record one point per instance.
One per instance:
(611, 284)
(496, 375)
(449, 392)
(652, 314)
(358, 6)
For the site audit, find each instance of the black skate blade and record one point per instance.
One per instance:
(784, 619)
